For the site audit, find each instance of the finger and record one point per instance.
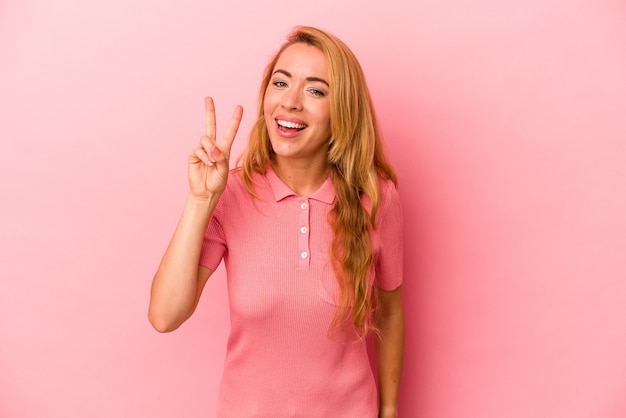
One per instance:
(210, 118)
(211, 149)
(231, 131)
(200, 155)
(206, 143)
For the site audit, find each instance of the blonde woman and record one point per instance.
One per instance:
(310, 229)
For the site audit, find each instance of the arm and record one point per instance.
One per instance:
(178, 283)
(390, 350)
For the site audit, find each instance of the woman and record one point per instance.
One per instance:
(310, 230)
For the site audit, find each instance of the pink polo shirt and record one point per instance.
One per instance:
(281, 360)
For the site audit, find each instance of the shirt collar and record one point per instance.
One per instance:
(325, 194)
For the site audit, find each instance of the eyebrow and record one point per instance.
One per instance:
(288, 74)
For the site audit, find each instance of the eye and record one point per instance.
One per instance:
(279, 83)
(316, 92)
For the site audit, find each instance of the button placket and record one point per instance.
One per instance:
(303, 234)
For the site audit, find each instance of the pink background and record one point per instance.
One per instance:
(507, 123)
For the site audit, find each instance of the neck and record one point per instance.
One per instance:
(304, 179)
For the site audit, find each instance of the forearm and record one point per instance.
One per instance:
(175, 288)
(390, 355)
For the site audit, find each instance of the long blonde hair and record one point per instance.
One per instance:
(356, 160)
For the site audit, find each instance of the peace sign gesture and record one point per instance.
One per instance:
(208, 163)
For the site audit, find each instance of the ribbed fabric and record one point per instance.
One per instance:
(281, 360)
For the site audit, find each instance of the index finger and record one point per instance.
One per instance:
(210, 118)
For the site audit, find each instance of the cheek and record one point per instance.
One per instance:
(325, 118)
(268, 100)
(267, 112)
(266, 109)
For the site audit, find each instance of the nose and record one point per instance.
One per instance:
(292, 100)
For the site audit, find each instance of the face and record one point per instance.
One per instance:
(297, 106)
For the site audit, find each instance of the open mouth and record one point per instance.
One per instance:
(287, 126)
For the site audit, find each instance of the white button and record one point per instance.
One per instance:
(303, 206)
(304, 254)
(303, 229)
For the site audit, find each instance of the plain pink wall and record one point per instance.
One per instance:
(507, 123)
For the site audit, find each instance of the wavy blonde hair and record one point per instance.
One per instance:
(356, 160)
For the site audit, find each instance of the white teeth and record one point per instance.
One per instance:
(291, 125)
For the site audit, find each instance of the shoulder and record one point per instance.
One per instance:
(389, 204)
(387, 188)
(236, 184)
(234, 191)
(235, 178)
(237, 191)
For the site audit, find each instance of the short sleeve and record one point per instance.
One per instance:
(389, 231)
(214, 244)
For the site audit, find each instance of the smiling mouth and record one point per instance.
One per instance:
(287, 126)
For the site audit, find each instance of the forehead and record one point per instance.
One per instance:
(304, 60)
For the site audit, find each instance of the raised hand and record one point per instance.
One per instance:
(208, 163)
